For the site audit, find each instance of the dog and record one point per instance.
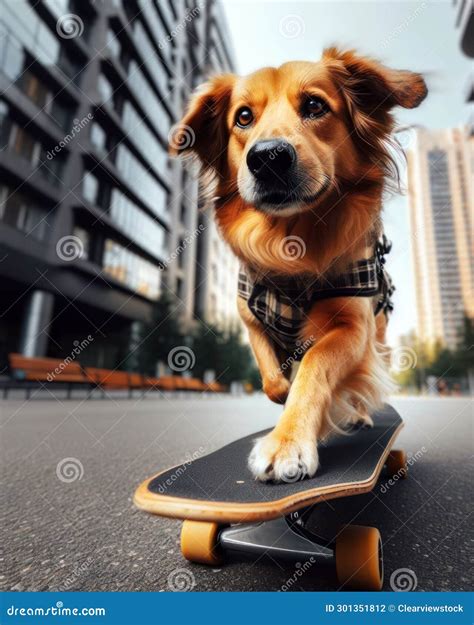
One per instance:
(299, 158)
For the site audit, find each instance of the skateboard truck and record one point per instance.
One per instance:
(284, 538)
(356, 551)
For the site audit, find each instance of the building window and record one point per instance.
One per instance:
(23, 144)
(51, 168)
(5, 126)
(183, 212)
(113, 44)
(142, 229)
(135, 272)
(35, 90)
(84, 238)
(105, 89)
(18, 211)
(90, 187)
(140, 134)
(98, 137)
(181, 256)
(145, 186)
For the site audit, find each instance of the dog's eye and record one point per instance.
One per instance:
(244, 117)
(314, 107)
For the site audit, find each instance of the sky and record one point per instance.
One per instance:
(419, 36)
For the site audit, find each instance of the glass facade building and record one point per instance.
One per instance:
(86, 108)
(440, 175)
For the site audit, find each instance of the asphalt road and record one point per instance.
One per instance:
(85, 534)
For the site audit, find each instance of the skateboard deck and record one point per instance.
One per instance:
(219, 487)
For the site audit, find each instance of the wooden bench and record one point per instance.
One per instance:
(30, 372)
(108, 379)
(27, 372)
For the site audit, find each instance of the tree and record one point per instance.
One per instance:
(160, 335)
(223, 352)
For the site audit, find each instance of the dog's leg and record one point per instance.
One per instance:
(275, 384)
(290, 450)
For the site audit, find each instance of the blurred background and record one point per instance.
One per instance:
(110, 262)
(117, 292)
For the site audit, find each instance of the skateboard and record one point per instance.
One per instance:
(228, 514)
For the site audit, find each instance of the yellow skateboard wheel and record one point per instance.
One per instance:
(199, 542)
(397, 463)
(359, 562)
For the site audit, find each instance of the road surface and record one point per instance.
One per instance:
(69, 469)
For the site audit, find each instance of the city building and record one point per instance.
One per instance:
(217, 267)
(95, 220)
(440, 182)
(465, 24)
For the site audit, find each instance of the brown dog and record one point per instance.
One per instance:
(301, 156)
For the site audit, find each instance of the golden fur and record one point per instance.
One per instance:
(343, 375)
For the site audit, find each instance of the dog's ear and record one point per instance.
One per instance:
(371, 86)
(203, 131)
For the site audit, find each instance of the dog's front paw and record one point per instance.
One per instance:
(364, 422)
(283, 459)
(277, 389)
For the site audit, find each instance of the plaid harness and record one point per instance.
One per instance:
(282, 303)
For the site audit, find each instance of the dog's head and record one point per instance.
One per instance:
(283, 137)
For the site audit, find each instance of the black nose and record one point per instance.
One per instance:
(271, 159)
